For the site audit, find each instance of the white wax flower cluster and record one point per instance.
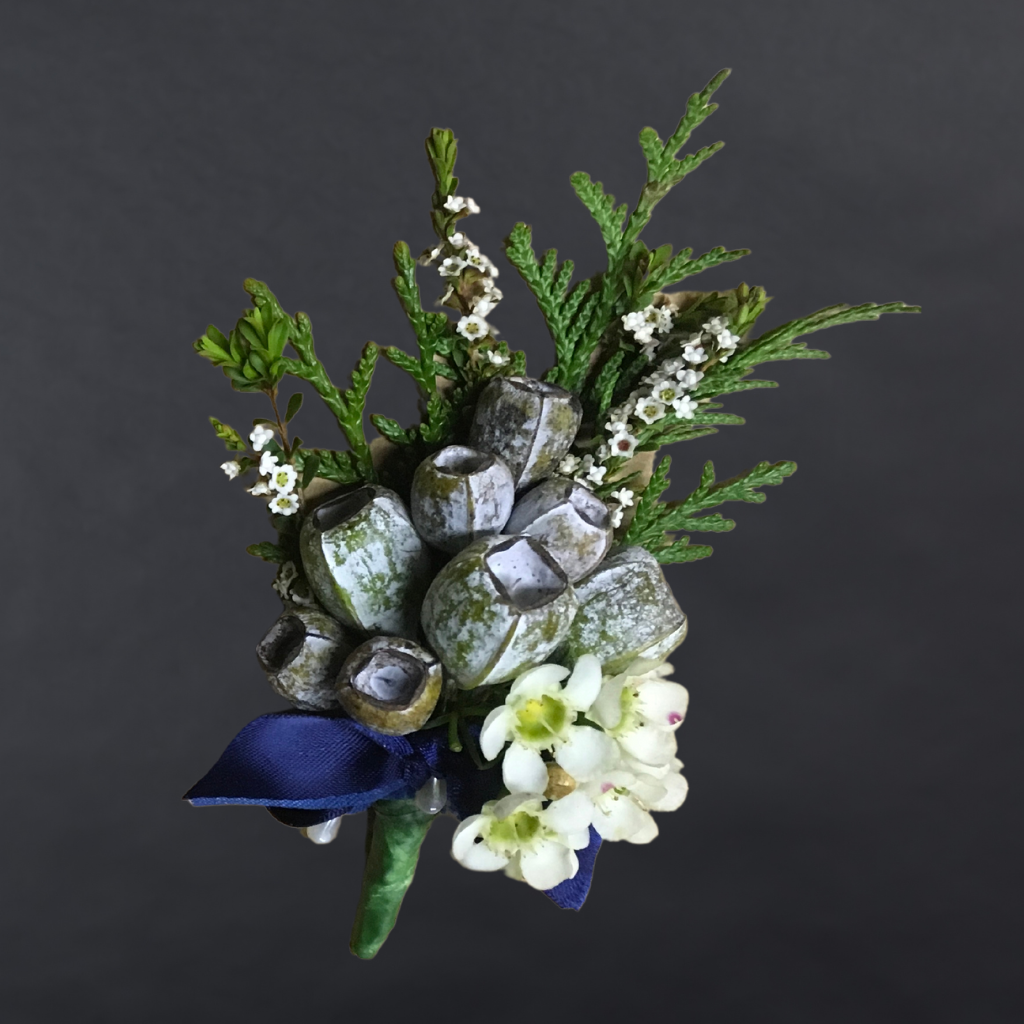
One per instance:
(473, 326)
(277, 479)
(665, 390)
(621, 764)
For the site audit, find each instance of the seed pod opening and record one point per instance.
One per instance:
(570, 521)
(390, 684)
(626, 611)
(301, 655)
(460, 494)
(498, 607)
(529, 423)
(365, 561)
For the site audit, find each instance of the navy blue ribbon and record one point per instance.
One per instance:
(306, 768)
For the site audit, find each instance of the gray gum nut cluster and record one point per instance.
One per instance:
(529, 423)
(499, 607)
(570, 521)
(302, 654)
(365, 561)
(626, 611)
(459, 495)
(390, 684)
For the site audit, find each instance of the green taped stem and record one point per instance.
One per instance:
(395, 830)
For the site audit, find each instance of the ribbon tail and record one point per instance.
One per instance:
(395, 832)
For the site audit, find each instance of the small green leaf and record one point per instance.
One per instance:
(310, 465)
(267, 551)
(294, 405)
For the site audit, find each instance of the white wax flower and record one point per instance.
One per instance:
(685, 407)
(456, 204)
(531, 842)
(496, 358)
(282, 479)
(641, 710)
(473, 327)
(623, 444)
(476, 259)
(694, 354)
(261, 436)
(624, 496)
(569, 465)
(616, 516)
(268, 463)
(689, 379)
(232, 469)
(458, 240)
(650, 410)
(667, 391)
(258, 488)
(285, 504)
(451, 266)
(716, 325)
(539, 715)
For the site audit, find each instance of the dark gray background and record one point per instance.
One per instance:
(852, 844)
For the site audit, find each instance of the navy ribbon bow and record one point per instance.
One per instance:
(306, 767)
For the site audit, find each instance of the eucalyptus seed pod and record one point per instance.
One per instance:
(365, 561)
(626, 611)
(301, 656)
(460, 494)
(529, 423)
(498, 607)
(390, 684)
(574, 524)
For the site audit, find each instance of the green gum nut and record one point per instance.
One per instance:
(626, 612)
(570, 521)
(459, 495)
(390, 684)
(500, 606)
(529, 423)
(301, 656)
(365, 561)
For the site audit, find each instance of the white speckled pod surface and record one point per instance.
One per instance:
(529, 423)
(570, 521)
(301, 655)
(460, 494)
(497, 608)
(626, 611)
(365, 561)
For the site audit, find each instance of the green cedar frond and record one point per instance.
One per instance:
(608, 216)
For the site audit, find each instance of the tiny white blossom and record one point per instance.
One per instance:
(261, 436)
(282, 479)
(232, 469)
(670, 366)
(604, 452)
(616, 517)
(716, 325)
(433, 254)
(285, 504)
(454, 204)
(476, 259)
(624, 496)
(284, 579)
(667, 391)
(694, 354)
(689, 379)
(260, 487)
(471, 205)
(458, 240)
(451, 266)
(496, 358)
(473, 327)
(569, 465)
(596, 474)
(685, 407)
(650, 410)
(483, 304)
(268, 463)
(623, 444)
(616, 426)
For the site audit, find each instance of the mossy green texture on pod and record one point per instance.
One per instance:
(626, 611)
(390, 684)
(366, 562)
(301, 655)
(460, 494)
(529, 423)
(498, 607)
(572, 523)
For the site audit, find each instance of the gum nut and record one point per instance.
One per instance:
(390, 684)
(499, 607)
(460, 494)
(365, 561)
(529, 423)
(571, 522)
(301, 656)
(626, 611)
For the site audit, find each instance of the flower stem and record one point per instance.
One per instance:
(395, 831)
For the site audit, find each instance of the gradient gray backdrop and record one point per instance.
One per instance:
(851, 848)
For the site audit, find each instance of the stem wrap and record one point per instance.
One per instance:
(395, 830)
